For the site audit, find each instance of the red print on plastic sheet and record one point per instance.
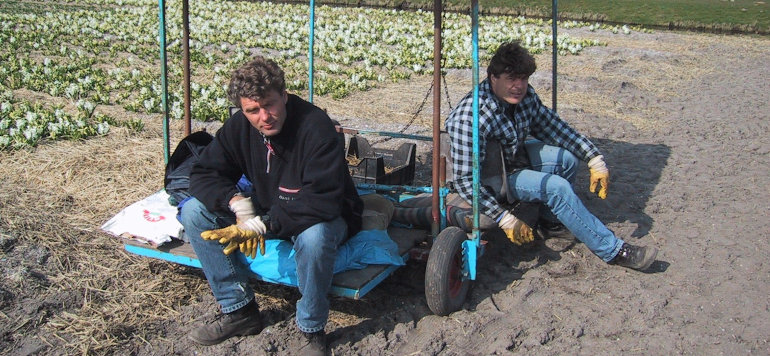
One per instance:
(152, 217)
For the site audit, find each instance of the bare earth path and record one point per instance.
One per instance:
(682, 119)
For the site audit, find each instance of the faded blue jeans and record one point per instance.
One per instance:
(315, 252)
(550, 182)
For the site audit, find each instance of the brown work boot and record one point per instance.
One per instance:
(635, 257)
(242, 322)
(314, 344)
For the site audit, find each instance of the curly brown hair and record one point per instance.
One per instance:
(512, 59)
(255, 79)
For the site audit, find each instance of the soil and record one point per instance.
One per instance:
(681, 118)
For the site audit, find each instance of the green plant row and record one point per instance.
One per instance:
(722, 16)
(24, 124)
(106, 52)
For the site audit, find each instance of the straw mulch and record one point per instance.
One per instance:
(68, 286)
(90, 295)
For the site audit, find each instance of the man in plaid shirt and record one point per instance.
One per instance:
(539, 171)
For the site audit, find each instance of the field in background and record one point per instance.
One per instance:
(71, 70)
(731, 16)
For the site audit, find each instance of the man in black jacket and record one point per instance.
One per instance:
(289, 150)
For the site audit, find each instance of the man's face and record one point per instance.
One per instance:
(509, 88)
(267, 114)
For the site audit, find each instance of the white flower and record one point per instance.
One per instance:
(31, 133)
(72, 90)
(149, 104)
(102, 128)
(54, 128)
(85, 106)
(30, 116)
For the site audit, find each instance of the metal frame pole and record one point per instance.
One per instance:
(436, 222)
(310, 51)
(186, 66)
(555, 53)
(475, 70)
(163, 77)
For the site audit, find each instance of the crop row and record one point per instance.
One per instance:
(106, 52)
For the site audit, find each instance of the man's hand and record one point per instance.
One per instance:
(516, 230)
(244, 237)
(600, 176)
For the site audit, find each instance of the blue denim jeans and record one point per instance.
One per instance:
(550, 183)
(315, 252)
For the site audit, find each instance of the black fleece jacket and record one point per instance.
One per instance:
(305, 181)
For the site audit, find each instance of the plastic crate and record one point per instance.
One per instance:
(381, 166)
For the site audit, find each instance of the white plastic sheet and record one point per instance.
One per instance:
(151, 220)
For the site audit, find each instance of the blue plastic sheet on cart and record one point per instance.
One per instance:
(365, 248)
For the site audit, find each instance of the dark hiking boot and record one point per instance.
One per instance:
(314, 344)
(549, 229)
(635, 257)
(242, 322)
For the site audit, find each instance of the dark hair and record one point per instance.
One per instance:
(512, 59)
(254, 80)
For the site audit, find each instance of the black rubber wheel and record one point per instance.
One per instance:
(445, 286)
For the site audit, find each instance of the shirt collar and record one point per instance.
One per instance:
(495, 104)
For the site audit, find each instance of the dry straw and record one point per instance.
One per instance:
(96, 298)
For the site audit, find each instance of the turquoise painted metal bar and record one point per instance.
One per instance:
(388, 134)
(166, 256)
(397, 188)
(310, 52)
(163, 76)
(442, 208)
(472, 246)
(475, 70)
(470, 258)
(443, 191)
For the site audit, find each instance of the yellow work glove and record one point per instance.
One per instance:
(237, 237)
(247, 222)
(600, 176)
(516, 230)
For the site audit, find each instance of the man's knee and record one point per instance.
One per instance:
(557, 185)
(196, 218)
(191, 211)
(569, 163)
(318, 239)
(312, 240)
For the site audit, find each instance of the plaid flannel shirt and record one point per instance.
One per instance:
(530, 117)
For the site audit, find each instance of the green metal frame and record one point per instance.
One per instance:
(473, 247)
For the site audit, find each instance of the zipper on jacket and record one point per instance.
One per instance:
(270, 151)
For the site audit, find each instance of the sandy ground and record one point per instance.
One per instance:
(682, 120)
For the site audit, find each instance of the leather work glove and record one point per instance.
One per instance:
(246, 236)
(244, 211)
(600, 176)
(516, 230)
